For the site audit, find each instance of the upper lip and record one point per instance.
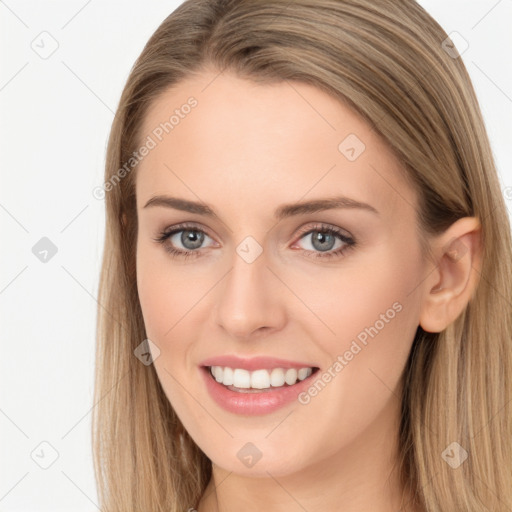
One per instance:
(254, 363)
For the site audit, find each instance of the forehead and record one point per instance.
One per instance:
(231, 141)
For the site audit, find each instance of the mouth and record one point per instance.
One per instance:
(259, 380)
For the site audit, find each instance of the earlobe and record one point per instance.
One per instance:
(453, 280)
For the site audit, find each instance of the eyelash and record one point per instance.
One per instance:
(321, 228)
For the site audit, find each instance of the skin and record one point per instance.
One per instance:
(245, 150)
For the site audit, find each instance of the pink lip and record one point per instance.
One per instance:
(255, 403)
(254, 363)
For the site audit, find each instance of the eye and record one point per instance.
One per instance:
(189, 237)
(322, 240)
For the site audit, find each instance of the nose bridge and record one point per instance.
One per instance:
(249, 298)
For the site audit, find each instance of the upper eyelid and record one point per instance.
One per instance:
(180, 227)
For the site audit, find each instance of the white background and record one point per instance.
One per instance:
(55, 119)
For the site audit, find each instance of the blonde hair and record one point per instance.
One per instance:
(385, 60)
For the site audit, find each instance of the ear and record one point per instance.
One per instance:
(450, 285)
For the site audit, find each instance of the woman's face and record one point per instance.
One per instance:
(267, 280)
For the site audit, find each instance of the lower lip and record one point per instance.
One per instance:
(254, 403)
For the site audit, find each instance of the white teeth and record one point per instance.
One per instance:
(241, 378)
(228, 377)
(218, 373)
(258, 379)
(277, 377)
(303, 373)
(291, 376)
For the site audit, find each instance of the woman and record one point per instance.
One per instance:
(306, 285)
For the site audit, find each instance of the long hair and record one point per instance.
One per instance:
(391, 63)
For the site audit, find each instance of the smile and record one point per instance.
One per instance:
(244, 397)
(241, 380)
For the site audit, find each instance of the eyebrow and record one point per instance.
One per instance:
(284, 211)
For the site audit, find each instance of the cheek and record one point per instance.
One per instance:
(163, 300)
(173, 303)
(165, 293)
(366, 297)
(375, 317)
(155, 298)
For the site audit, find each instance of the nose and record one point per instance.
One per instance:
(250, 300)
